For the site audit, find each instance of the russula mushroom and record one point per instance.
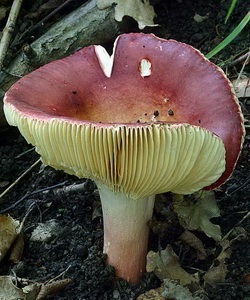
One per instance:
(156, 116)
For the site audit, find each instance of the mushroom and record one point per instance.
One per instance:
(156, 116)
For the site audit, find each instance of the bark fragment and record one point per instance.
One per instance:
(85, 26)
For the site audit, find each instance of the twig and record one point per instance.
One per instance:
(10, 208)
(237, 60)
(240, 187)
(58, 276)
(75, 188)
(25, 152)
(29, 210)
(238, 224)
(30, 31)
(87, 25)
(243, 66)
(8, 30)
(18, 179)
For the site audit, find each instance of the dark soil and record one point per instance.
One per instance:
(77, 249)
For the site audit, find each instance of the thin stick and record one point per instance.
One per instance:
(58, 276)
(25, 152)
(240, 187)
(8, 30)
(243, 66)
(19, 178)
(41, 23)
(247, 215)
(75, 188)
(238, 60)
(14, 205)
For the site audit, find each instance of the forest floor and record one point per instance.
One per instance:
(75, 248)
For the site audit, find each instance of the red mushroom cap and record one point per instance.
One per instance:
(147, 80)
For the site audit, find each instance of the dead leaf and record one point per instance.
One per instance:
(8, 233)
(3, 183)
(195, 213)
(53, 288)
(165, 264)
(226, 250)
(173, 290)
(198, 18)
(44, 9)
(17, 249)
(29, 291)
(239, 233)
(46, 232)
(97, 210)
(242, 87)
(193, 241)
(3, 12)
(217, 273)
(8, 290)
(142, 11)
(154, 294)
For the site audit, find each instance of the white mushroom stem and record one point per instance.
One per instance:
(126, 232)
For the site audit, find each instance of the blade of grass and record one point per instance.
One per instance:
(231, 9)
(230, 37)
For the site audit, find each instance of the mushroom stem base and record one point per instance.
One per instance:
(126, 232)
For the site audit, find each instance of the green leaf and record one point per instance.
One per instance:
(230, 37)
(231, 9)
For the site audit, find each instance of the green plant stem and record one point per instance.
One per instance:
(231, 9)
(230, 37)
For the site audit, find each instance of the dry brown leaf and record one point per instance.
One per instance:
(33, 291)
(193, 241)
(218, 273)
(46, 232)
(141, 11)
(242, 87)
(174, 291)
(171, 290)
(154, 294)
(3, 12)
(53, 288)
(97, 210)
(198, 18)
(8, 290)
(3, 184)
(17, 249)
(8, 233)
(165, 264)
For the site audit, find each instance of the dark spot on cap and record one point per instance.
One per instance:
(156, 113)
(74, 92)
(138, 121)
(170, 112)
(146, 114)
